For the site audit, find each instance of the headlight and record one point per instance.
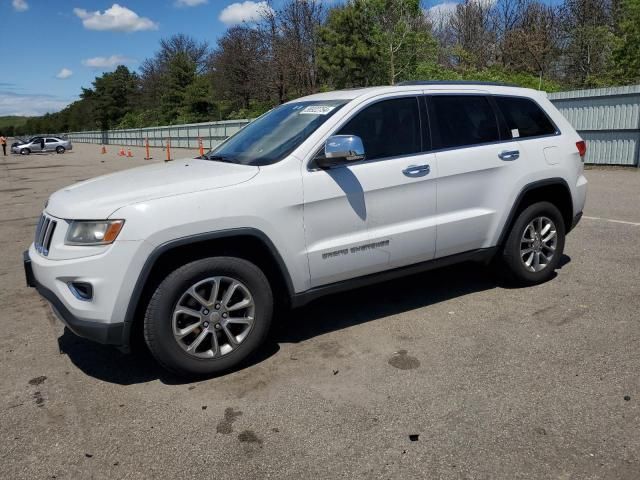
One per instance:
(95, 232)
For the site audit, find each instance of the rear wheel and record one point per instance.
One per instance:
(60, 149)
(535, 244)
(208, 316)
(25, 151)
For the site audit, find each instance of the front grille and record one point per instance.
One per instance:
(44, 234)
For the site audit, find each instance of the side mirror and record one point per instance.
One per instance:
(341, 149)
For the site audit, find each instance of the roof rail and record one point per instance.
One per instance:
(454, 82)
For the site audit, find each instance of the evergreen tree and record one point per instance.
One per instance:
(626, 55)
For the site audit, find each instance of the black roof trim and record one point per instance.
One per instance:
(454, 82)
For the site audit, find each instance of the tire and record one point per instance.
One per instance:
(525, 235)
(25, 151)
(173, 309)
(60, 150)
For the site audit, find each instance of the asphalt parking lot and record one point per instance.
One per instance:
(449, 374)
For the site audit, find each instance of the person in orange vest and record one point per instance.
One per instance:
(3, 141)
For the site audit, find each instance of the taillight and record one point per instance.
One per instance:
(582, 147)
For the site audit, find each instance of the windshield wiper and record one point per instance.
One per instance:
(218, 158)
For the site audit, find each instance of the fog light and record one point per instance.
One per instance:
(81, 290)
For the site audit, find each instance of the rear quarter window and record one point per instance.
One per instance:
(524, 117)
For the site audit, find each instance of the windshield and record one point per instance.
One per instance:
(274, 135)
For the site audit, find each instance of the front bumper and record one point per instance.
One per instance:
(105, 333)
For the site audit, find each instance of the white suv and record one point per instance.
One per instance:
(321, 194)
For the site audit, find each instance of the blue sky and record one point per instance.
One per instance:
(47, 36)
(52, 48)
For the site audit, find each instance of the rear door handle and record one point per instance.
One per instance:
(509, 155)
(417, 170)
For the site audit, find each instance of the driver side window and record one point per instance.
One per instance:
(389, 128)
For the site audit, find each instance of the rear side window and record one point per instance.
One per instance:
(51, 140)
(524, 118)
(388, 129)
(462, 120)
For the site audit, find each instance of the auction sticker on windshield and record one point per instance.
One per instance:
(317, 109)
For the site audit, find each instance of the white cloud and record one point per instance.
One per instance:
(20, 5)
(64, 73)
(190, 3)
(442, 12)
(107, 62)
(116, 19)
(244, 12)
(29, 105)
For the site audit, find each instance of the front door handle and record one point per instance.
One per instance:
(509, 155)
(417, 170)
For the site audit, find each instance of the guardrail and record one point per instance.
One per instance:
(182, 136)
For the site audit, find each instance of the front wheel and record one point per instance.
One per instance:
(535, 244)
(208, 316)
(25, 151)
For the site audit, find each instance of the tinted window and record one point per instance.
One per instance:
(389, 128)
(51, 140)
(524, 118)
(461, 120)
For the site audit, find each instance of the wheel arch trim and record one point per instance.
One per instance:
(547, 182)
(161, 249)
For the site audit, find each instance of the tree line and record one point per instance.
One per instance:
(304, 47)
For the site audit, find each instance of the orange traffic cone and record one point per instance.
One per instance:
(146, 144)
(121, 152)
(129, 154)
(104, 150)
(168, 150)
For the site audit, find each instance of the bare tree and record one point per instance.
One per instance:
(474, 34)
(299, 24)
(532, 44)
(274, 49)
(507, 16)
(238, 65)
(291, 40)
(181, 44)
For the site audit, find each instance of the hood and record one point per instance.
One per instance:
(99, 197)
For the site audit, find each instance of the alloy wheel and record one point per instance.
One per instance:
(538, 244)
(213, 317)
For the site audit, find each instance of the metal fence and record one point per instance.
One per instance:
(608, 119)
(183, 136)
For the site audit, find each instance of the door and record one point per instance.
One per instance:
(476, 164)
(36, 145)
(379, 213)
(50, 144)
